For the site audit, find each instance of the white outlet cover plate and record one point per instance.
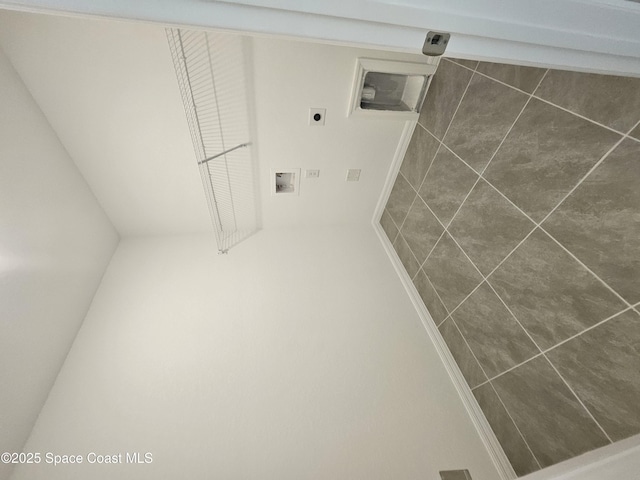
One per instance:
(312, 173)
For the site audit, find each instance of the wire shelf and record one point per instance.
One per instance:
(213, 82)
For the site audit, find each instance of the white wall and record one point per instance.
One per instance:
(290, 77)
(298, 355)
(55, 243)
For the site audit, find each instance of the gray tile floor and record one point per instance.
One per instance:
(516, 212)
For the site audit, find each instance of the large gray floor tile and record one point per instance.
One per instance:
(636, 132)
(553, 422)
(494, 336)
(430, 298)
(551, 294)
(406, 256)
(486, 113)
(488, 227)
(400, 200)
(603, 367)
(443, 97)
(451, 272)
(524, 78)
(388, 226)
(600, 221)
(421, 150)
(514, 446)
(607, 99)
(421, 230)
(460, 351)
(545, 155)
(447, 184)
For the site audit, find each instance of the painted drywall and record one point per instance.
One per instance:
(590, 35)
(290, 77)
(109, 91)
(55, 243)
(298, 355)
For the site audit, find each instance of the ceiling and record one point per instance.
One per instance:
(109, 91)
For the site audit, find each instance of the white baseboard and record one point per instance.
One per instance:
(487, 436)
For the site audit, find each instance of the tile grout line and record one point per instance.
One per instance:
(488, 381)
(412, 202)
(528, 335)
(539, 354)
(441, 142)
(437, 294)
(464, 339)
(444, 135)
(539, 224)
(536, 226)
(460, 65)
(440, 324)
(492, 156)
(578, 398)
(437, 219)
(514, 423)
(591, 170)
(432, 158)
(533, 94)
(566, 340)
(572, 255)
(394, 224)
(553, 366)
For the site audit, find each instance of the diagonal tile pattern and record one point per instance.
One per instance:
(545, 155)
(609, 100)
(388, 226)
(523, 78)
(488, 227)
(469, 367)
(446, 90)
(451, 272)
(447, 184)
(552, 295)
(400, 200)
(514, 445)
(406, 256)
(600, 221)
(495, 337)
(430, 297)
(532, 187)
(421, 150)
(550, 417)
(603, 367)
(486, 112)
(421, 230)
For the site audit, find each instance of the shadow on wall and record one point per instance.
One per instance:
(516, 213)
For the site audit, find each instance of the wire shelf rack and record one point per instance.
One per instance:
(214, 84)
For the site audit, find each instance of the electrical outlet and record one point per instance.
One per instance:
(312, 173)
(316, 116)
(353, 175)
